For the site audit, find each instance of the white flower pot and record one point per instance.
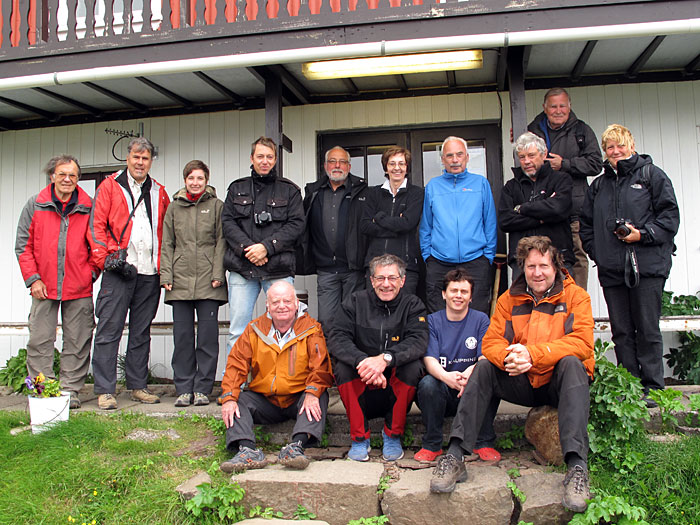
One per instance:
(47, 411)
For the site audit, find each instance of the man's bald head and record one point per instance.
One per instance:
(282, 305)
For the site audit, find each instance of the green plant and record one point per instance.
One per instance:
(407, 437)
(668, 401)
(513, 473)
(374, 520)
(262, 437)
(267, 513)
(521, 522)
(42, 387)
(221, 502)
(324, 443)
(685, 359)
(679, 304)
(694, 403)
(216, 425)
(610, 509)
(517, 493)
(302, 513)
(376, 442)
(617, 413)
(383, 484)
(508, 439)
(15, 371)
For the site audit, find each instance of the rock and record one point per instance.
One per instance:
(483, 499)
(542, 430)
(19, 430)
(336, 491)
(140, 434)
(6, 390)
(188, 489)
(543, 495)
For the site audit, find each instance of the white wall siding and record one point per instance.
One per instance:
(664, 119)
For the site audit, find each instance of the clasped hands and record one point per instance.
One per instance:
(518, 361)
(371, 371)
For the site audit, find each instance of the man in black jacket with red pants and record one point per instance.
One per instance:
(536, 201)
(376, 345)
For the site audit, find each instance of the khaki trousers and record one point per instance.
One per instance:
(580, 270)
(78, 322)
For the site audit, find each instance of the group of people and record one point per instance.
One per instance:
(374, 338)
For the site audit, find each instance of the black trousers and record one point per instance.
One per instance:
(634, 319)
(256, 409)
(194, 367)
(139, 297)
(479, 270)
(567, 390)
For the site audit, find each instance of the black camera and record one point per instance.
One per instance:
(263, 218)
(621, 229)
(116, 262)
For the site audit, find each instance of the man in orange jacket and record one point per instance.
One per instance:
(539, 351)
(285, 351)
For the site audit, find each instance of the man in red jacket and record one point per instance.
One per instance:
(54, 257)
(539, 351)
(126, 228)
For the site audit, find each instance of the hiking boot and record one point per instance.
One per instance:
(426, 456)
(74, 401)
(487, 454)
(359, 450)
(292, 456)
(576, 489)
(143, 395)
(200, 399)
(391, 451)
(183, 400)
(106, 402)
(448, 472)
(650, 403)
(246, 459)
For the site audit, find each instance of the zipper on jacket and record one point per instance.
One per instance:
(386, 241)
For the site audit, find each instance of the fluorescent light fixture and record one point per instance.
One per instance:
(393, 65)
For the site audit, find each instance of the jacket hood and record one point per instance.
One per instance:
(561, 279)
(84, 201)
(181, 194)
(627, 166)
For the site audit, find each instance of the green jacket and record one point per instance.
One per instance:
(192, 250)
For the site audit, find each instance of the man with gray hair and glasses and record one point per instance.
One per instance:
(536, 201)
(126, 228)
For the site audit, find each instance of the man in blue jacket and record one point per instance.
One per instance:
(458, 227)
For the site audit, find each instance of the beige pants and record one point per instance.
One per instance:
(580, 269)
(78, 321)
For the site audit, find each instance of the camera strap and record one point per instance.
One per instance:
(109, 228)
(631, 268)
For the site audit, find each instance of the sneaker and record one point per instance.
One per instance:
(650, 402)
(143, 395)
(246, 459)
(391, 451)
(426, 456)
(200, 399)
(488, 454)
(183, 400)
(359, 450)
(448, 472)
(576, 489)
(74, 401)
(292, 456)
(106, 402)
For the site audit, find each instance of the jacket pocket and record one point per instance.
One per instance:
(278, 208)
(242, 205)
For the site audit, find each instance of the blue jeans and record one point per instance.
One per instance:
(436, 401)
(242, 294)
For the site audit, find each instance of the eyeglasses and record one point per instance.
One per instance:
(396, 164)
(342, 162)
(393, 279)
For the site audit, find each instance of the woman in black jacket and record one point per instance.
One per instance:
(630, 217)
(392, 214)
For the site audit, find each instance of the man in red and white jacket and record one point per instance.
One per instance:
(127, 214)
(54, 258)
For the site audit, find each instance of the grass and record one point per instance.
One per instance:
(85, 470)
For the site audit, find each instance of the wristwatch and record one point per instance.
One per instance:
(388, 358)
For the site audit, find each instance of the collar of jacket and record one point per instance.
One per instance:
(519, 287)
(302, 325)
(181, 195)
(542, 121)
(542, 173)
(266, 179)
(123, 180)
(385, 304)
(457, 176)
(627, 166)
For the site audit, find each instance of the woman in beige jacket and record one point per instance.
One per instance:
(192, 273)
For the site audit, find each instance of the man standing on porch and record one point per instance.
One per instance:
(572, 149)
(458, 227)
(262, 220)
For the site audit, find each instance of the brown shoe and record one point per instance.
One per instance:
(106, 402)
(143, 395)
(576, 489)
(449, 471)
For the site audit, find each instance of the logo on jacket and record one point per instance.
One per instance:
(559, 308)
(421, 319)
(395, 338)
(204, 211)
(636, 186)
(470, 343)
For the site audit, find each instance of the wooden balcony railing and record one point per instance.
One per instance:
(28, 23)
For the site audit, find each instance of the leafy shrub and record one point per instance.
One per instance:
(679, 304)
(217, 504)
(617, 413)
(605, 508)
(15, 370)
(374, 520)
(668, 401)
(685, 359)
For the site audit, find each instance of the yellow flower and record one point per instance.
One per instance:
(94, 493)
(40, 378)
(93, 522)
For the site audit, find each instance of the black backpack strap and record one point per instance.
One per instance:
(133, 210)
